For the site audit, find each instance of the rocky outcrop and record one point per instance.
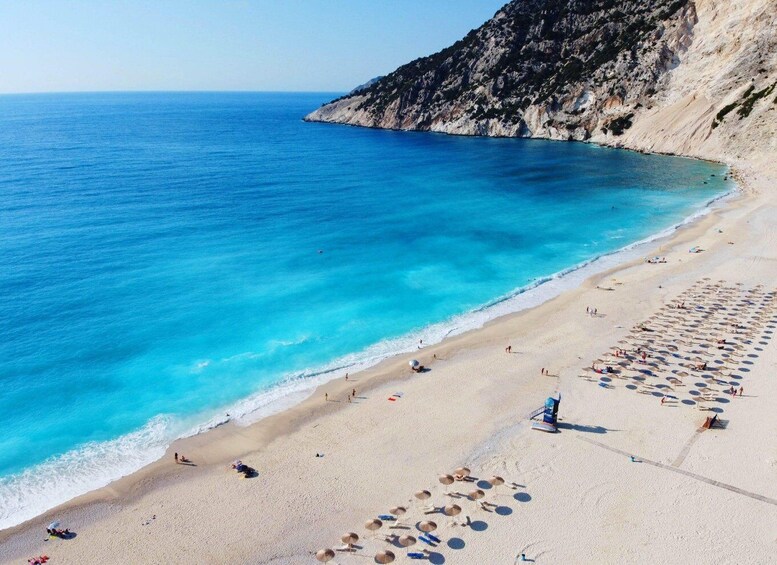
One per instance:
(681, 76)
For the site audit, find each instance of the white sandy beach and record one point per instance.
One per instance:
(700, 497)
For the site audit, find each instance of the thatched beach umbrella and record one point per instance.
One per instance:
(452, 510)
(325, 555)
(423, 495)
(496, 481)
(406, 540)
(462, 472)
(373, 525)
(398, 511)
(447, 480)
(350, 538)
(384, 556)
(427, 526)
(476, 495)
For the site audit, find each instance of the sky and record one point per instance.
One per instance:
(261, 45)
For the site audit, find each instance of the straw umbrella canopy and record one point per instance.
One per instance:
(406, 540)
(476, 495)
(447, 480)
(462, 471)
(423, 494)
(398, 510)
(427, 526)
(350, 538)
(496, 481)
(373, 525)
(452, 510)
(384, 556)
(325, 555)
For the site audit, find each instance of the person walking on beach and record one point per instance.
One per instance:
(353, 393)
(346, 377)
(176, 457)
(509, 349)
(741, 390)
(326, 397)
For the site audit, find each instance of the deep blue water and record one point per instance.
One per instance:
(165, 256)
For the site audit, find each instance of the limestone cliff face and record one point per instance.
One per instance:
(697, 77)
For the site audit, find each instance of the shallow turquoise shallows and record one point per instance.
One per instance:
(168, 259)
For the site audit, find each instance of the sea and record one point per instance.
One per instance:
(173, 261)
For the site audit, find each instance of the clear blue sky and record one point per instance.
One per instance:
(323, 45)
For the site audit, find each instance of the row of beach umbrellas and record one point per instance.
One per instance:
(700, 322)
(426, 526)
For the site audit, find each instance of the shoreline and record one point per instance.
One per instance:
(536, 293)
(277, 442)
(388, 370)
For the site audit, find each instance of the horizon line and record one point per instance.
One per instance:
(159, 91)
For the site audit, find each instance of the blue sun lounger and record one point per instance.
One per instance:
(433, 538)
(416, 555)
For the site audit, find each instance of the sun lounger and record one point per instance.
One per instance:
(433, 537)
(426, 540)
(386, 517)
(416, 555)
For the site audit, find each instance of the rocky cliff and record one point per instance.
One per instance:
(697, 77)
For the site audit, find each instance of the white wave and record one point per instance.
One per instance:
(94, 465)
(295, 387)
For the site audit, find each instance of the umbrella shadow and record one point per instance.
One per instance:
(434, 557)
(479, 525)
(522, 496)
(456, 543)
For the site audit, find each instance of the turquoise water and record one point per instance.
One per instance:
(170, 258)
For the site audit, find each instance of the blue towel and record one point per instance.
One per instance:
(416, 555)
(387, 517)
